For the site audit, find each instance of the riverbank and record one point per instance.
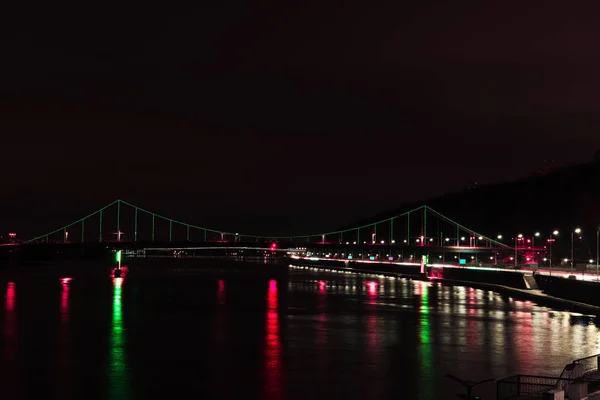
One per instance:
(413, 272)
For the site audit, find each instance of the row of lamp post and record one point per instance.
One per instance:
(551, 240)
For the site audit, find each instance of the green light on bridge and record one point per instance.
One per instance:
(118, 256)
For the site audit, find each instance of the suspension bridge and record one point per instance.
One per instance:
(123, 222)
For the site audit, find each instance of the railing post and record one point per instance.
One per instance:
(391, 230)
(170, 230)
(457, 237)
(188, 233)
(153, 218)
(118, 220)
(424, 230)
(205, 236)
(135, 228)
(82, 230)
(100, 225)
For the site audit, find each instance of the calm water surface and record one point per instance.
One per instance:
(312, 336)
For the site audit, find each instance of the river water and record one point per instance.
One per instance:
(312, 336)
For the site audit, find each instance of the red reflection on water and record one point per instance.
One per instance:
(10, 376)
(221, 292)
(373, 333)
(371, 288)
(10, 297)
(472, 324)
(322, 287)
(10, 323)
(273, 373)
(524, 340)
(219, 375)
(64, 378)
(64, 299)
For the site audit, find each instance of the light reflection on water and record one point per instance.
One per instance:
(118, 374)
(64, 350)
(10, 365)
(317, 336)
(273, 368)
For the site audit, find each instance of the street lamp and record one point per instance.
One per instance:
(519, 236)
(555, 233)
(537, 234)
(576, 231)
(499, 237)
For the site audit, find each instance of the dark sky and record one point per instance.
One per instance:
(286, 116)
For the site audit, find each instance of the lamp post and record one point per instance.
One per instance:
(576, 231)
(519, 236)
(537, 234)
(555, 233)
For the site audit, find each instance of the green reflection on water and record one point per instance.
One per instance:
(426, 364)
(118, 373)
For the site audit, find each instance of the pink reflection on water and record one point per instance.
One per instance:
(322, 287)
(10, 376)
(10, 323)
(221, 292)
(64, 300)
(473, 325)
(220, 377)
(371, 288)
(273, 373)
(64, 378)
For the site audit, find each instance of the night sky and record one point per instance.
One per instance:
(285, 116)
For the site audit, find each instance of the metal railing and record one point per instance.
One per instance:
(524, 385)
(589, 364)
(516, 386)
